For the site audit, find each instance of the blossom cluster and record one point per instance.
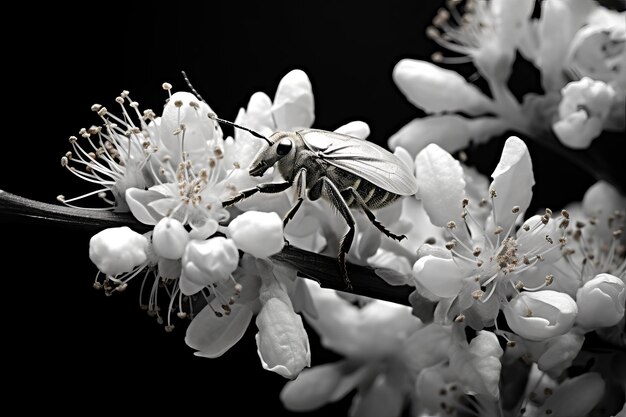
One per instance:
(504, 301)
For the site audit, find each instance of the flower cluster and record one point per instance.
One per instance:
(504, 302)
(579, 48)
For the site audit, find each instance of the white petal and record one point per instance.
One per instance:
(258, 233)
(575, 397)
(282, 342)
(293, 103)
(169, 238)
(478, 366)
(513, 181)
(138, 201)
(441, 277)
(383, 398)
(117, 250)
(436, 90)
(212, 336)
(437, 170)
(357, 129)
(427, 347)
(318, 386)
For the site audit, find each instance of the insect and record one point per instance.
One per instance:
(346, 171)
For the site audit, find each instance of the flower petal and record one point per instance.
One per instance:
(575, 397)
(258, 233)
(436, 90)
(293, 106)
(319, 386)
(513, 181)
(383, 398)
(282, 342)
(357, 129)
(437, 170)
(450, 131)
(441, 277)
(478, 366)
(212, 336)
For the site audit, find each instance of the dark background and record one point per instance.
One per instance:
(66, 344)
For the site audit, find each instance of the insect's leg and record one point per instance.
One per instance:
(271, 187)
(359, 200)
(300, 180)
(330, 190)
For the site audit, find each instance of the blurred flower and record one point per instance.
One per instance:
(583, 111)
(577, 39)
(373, 338)
(574, 397)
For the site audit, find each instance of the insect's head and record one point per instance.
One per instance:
(282, 144)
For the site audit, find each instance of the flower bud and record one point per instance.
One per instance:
(436, 90)
(207, 262)
(117, 250)
(585, 106)
(540, 315)
(258, 233)
(282, 342)
(169, 238)
(601, 302)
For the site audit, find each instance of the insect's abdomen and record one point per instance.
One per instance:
(374, 196)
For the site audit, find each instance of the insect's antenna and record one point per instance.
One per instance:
(193, 90)
(213, 116)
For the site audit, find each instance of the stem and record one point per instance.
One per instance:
(320, 268)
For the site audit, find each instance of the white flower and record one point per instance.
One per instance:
(488, 256)
(559, 22)
(373, 340)
(113, 156)
(169, 238)
(477, 364)
(487, 34)
(540, 315)
(258, 233)
(118, 250)
(598, 50)
(585, 106)
(207, 262)
(601, 302)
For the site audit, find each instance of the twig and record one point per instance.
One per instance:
(311, 265)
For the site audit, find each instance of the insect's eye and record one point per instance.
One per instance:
(284, 146)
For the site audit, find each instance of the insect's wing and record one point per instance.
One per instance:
(362, 158)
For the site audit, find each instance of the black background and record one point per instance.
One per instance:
(66, 344)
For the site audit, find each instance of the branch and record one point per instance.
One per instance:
(310, 265)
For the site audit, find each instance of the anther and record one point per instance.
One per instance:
(465, 202)
(477, 252)
(178, 103)
(498, 230)
(515, 209)
(492, 193)
(451, 225)
(451, 244)
(96, 107)
(102, 112)
(477, 294)
(549, 279)
(166, 86)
